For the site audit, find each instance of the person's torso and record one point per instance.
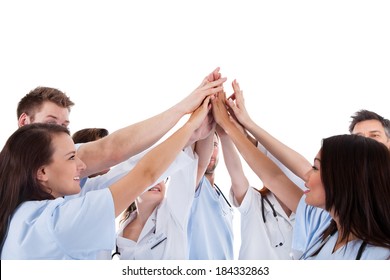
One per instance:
(59, 229)
(264, 240)
(210, 228)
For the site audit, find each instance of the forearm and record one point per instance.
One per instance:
(233, 164)
(289, 157)
(142, 135)
(204, 150)
(265, 169)
(127, 142)
(149, 168)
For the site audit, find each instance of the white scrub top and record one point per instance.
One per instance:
(263, 241)
(210, 228)
(164, 236)
(120, 170)
(347, 252)
(62, 229)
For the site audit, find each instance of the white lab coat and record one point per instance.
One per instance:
(263, 241)
(164, 236)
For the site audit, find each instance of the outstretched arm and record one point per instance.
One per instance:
(289, 157)
(204, 146)
(269, 173)
(155, 162)
(240, 183)
(133, 139)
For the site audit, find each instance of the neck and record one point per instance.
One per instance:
(340, 240)
(133, 230)
(210, 177)
(284, 207)
(144, 210)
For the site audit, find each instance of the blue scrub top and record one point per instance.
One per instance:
(310, 224)
(210, 227)
(62, 229)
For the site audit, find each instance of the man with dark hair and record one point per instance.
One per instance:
(44, 105)
(370, 124)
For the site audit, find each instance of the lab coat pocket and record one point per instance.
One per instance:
(157, 245)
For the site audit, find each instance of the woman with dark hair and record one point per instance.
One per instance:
(350, 180)
(39, 166)
(86, 135)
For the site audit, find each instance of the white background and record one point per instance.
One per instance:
(305, 66)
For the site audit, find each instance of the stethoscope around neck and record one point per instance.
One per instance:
(322, 243)
(276, 237)
(263, 197)
(161, 238)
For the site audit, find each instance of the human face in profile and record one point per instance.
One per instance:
(61, 176)
(315, 193)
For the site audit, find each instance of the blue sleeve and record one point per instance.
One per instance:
(85, 224)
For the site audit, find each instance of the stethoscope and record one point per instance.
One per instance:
(221, 193)
(322, 244)
(277, 237)
(116, 255)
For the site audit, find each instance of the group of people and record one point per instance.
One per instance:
(61, 194)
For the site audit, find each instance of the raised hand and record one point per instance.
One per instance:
(210, 85)
(220, 112)
(201, 115)
(236, 103)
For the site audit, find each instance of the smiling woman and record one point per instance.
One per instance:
(39, 166)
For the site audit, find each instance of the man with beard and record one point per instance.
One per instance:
(210, 227)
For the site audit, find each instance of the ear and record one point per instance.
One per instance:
(23, 120)
(42, 174)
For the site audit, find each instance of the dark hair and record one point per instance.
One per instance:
(25, 151)
(89, 134)
(126, 214)
(133, 207)
(365, 115)
(32, 102)
(355, 172)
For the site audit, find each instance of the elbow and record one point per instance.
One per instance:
(113, 154)
(150, 177)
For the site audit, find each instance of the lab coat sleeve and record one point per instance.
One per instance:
(294, 178)
(181, 188)
(244, 208)
(120, 170)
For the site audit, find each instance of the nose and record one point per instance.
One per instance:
(307, 176)
(80, 164)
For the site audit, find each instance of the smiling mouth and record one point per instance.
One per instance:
(155, 189)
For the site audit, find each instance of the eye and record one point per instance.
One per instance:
(314, 168)
(72, 157)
